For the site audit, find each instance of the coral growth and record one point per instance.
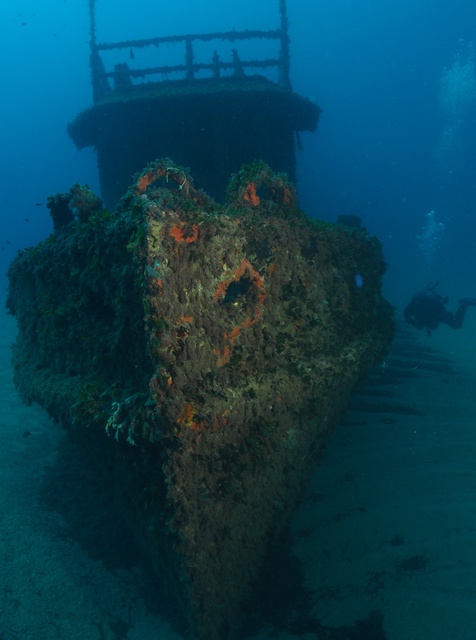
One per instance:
(79, 202)
(202, 353)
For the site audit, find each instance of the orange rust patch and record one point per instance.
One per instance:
(221, 291)
(194, 235)
(233, 335)
(225, 356)
(177, 233)
(144, 182)
(187, 415)
(186, 319)
(245, 268)
(250, 195)
(254, 276)
(249, 322)
(220, 421)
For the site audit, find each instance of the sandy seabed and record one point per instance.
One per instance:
(387, 524)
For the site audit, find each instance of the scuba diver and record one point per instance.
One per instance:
(427, 309)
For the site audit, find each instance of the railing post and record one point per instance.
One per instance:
(189, 58)
(99, 82)
(284, 66)
(99, 77)
(216, 64)
(237, 68)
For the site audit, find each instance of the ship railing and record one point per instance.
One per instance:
(124, 75)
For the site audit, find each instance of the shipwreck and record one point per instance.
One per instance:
(199, 348)
(211, 116)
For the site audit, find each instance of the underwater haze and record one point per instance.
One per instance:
(396, 82)
(388, 521)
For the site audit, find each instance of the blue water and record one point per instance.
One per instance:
(395, 144)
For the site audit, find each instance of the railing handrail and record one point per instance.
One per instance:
(122, 73)
(196, 66)
(247, 34)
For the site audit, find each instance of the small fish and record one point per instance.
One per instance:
(359, 281)
(38, 204)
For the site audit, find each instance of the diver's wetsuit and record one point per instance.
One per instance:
(427, 309)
